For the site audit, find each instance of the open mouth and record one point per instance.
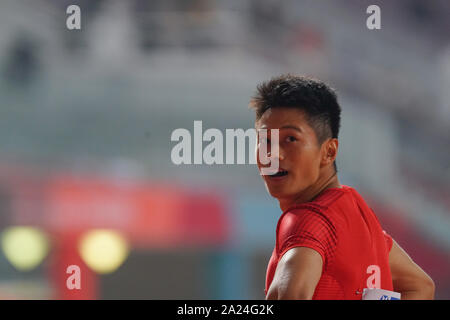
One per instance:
(280, 173)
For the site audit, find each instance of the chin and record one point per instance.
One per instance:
(277, 193)
(285, 192)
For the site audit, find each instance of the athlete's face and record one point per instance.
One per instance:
(299, 152)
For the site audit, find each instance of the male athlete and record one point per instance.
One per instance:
(329, 243)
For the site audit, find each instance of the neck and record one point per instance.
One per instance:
(329, 181)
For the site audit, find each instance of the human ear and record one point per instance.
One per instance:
(329, 151)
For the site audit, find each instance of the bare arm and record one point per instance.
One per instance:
(408, 278)
(297, 275)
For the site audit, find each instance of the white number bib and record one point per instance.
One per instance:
(379, 294)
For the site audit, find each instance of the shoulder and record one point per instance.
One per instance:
(322, 208)
(303, 213)
(307, 219)
(326, 213)
(330, 197)
(308, 225)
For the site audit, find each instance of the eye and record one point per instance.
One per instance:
(291, 139)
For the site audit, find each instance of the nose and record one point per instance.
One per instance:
(280, 154)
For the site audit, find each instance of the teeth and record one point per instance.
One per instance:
(280, 173)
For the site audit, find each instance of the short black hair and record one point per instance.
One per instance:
(314, 97)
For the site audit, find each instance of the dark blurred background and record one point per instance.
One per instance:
(86, 118)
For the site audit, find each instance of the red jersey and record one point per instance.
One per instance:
(341, 227)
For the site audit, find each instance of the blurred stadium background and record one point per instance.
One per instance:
(86, 118)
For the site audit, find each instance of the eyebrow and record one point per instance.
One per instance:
(289, 126)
